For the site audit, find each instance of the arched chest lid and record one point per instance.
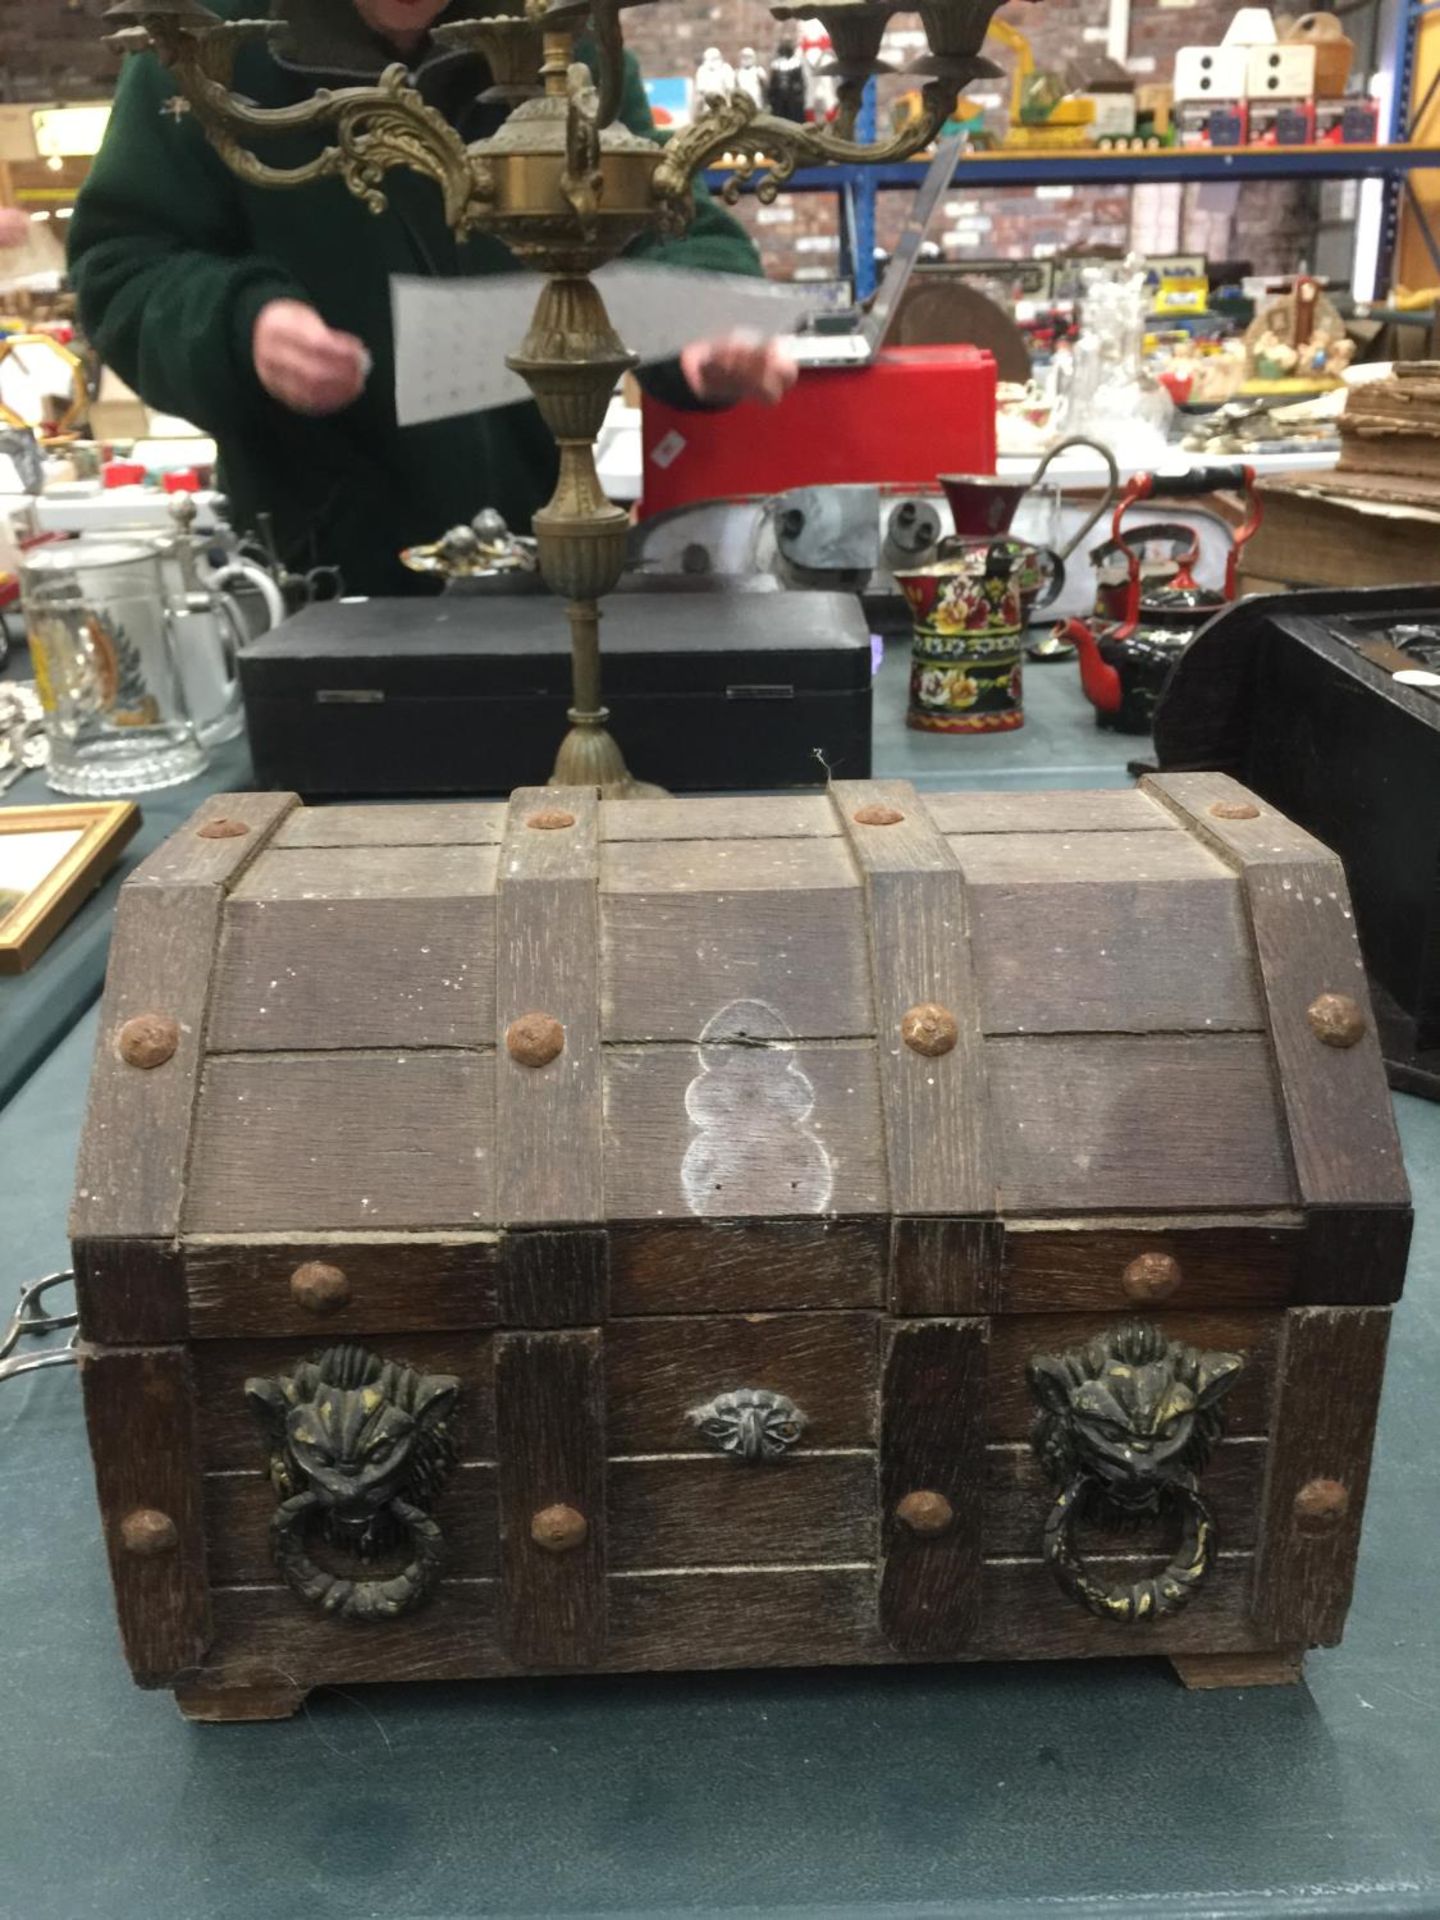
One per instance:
(563, 1013)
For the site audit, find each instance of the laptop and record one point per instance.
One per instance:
(853, 339)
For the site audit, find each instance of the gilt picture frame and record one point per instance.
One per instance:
(51, 860)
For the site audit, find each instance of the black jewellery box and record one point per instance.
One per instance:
(1297, 696)
(711, 686)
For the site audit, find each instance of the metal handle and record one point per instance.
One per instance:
(1112, 484)
(223, 578)
(1202, 480)
(30, 1321)
(750, 1424)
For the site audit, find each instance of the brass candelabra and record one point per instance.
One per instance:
(566, 189)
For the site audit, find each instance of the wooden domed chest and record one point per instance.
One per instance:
(581, 1236)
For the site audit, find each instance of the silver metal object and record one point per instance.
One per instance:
(31, 1321)
(827, 534)
(24, 743)
(750, 1424)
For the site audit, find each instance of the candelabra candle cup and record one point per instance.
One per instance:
(104, 646)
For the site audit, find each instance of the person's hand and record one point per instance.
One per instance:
(14, 227)
(304, 364)
(741, 366)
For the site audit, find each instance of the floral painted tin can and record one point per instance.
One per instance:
(965, 672)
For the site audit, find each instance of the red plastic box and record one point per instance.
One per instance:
(915, 412)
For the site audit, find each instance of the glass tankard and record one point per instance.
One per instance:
(103, 643)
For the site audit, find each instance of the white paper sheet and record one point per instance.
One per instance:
(452, 336)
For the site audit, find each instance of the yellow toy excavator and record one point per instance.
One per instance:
(1041, 113)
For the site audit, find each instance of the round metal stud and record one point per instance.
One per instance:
(925, 1512)
(222, 830)
(1320, 1505)
(930, 1030)
(319, 1288)
(147, 1533)
(148, 1041)
(534, 1040)
(1234, 810)
(1151, 1276)
(551, 820)
(876, 815)
(559, 1529)
(1336, 1019)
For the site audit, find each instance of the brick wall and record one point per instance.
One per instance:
(52, 49)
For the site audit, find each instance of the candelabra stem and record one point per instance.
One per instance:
(571, 359)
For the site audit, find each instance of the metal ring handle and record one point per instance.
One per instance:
(1151, 1598)
(372, 1599)
(29, 1322)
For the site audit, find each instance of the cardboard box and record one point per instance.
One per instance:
(116, 413)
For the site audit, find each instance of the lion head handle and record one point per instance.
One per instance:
(356, 1432)
(1132, 1411)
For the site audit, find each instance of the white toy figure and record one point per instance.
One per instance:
(751, 77)
(714, 81)
(752, 1151)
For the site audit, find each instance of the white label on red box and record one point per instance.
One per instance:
(666, 452)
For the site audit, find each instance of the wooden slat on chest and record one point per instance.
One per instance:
(806, 1510)
(550, 1157)
(728, 1266)
(932, 1482)
(255, 1285)
(1052, 1267)
(927, 1012)
(1342, 1134)
(141, 1412)
(338, 947)
(550, 1447)
(1167, 957)
(723, 817)
(731, 1130)
(1115, 1123)
(1107, 932)
(1121, 810)
(659, 1370)
(131, 1169)
(340, 1140)
(699, 935)
(1332, 1363)
(431, 824)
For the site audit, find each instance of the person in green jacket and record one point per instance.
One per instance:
(263, 315)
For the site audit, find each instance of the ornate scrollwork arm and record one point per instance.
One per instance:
(376, 128)
(763, 142)
(1127, 1424)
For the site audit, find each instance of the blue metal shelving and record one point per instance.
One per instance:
(1393, 163)
(1081, 167)
(1406, 115)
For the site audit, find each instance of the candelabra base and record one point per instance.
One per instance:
(590, 757)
